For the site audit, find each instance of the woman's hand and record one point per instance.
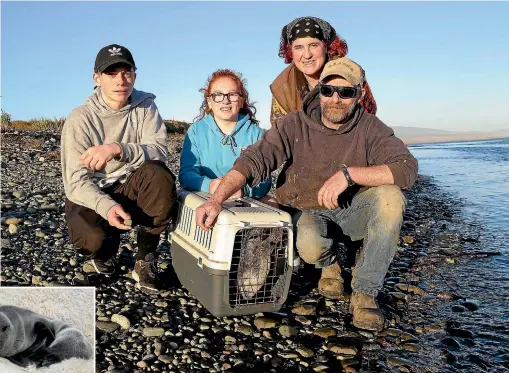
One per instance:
(214, 184)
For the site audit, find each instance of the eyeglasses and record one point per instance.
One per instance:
(343, 92)
(128, 74)
(218, 97)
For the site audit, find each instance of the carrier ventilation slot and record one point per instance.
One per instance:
(259, 266)
(203, 237)
(248, 210)
(185, 219)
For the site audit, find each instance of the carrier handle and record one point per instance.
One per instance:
(245, 224)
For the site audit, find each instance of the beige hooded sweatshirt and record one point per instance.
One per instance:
(137, 128)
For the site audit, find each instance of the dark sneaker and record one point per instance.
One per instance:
(98, 266)
(145, 274)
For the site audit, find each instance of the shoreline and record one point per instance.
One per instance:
(171, 331)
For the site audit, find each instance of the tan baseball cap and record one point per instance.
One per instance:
(346, 68)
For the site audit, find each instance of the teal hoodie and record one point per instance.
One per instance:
(208, 154)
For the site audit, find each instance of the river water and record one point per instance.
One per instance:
(476, 174)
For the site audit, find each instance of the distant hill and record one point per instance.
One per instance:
(402, 132)
(412, 135)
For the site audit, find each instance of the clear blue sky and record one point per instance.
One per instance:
(441, 65)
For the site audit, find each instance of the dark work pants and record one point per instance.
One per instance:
(148, 195)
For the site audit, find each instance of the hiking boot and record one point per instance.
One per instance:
(366, 312)
(145, 274)
(331, 282)
(98, 266)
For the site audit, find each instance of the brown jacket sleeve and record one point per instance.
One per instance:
(276, 112)
(385, 148)
(258, 161)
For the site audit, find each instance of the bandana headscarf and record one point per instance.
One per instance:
(316, 28)
(308, 27)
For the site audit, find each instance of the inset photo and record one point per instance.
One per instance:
(47, 330)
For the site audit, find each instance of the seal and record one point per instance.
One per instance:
(29, 338)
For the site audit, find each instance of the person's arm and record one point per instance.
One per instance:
(365, 176)
(207, 213)
(263, 188)
(153, 143)
(190, 175)
(390, 163)
(372, 175)
(231, 183)
(276, 112)
(78, 186)
(258, 161)
(385, 149)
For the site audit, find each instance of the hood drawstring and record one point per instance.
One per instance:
(230, 140)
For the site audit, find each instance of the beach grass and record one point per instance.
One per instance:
(56, 124)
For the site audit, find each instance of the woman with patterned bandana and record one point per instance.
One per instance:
(307, 43)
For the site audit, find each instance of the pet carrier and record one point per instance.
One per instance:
(243, 265)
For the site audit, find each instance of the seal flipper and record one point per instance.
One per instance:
(37, 352)
(69, 343)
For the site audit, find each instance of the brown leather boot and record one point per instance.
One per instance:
(366, 312)
(331, 282)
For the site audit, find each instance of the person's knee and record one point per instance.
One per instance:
(157, 175)
(84, 233)
(157, 170)
(310, 243)
(390, 203)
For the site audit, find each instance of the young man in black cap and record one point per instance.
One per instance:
(114, 152)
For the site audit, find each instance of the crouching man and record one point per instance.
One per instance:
(344, 170)
(114, 154)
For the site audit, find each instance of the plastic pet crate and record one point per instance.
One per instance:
(243, 265)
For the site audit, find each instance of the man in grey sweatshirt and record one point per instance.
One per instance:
(343, 171)
(114, 154)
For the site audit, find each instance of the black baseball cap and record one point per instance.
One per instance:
(113, 54)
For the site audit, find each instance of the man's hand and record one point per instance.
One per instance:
(331, 189)
(116, 217)
(96, 157)
(214, 184)
(207, 213)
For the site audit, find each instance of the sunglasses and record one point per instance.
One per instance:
(343, 92)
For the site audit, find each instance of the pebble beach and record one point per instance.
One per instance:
(172, 332)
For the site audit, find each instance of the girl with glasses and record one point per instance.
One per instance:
(225, 126)
(307, 44)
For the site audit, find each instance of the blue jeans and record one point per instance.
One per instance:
(374, 216)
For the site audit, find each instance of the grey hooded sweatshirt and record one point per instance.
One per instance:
(137, 128)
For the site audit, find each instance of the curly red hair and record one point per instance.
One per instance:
(337, 48)
(247, 108)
